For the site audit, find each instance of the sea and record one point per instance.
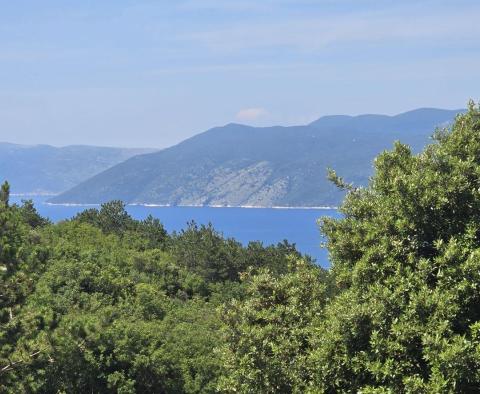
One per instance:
(268, 225)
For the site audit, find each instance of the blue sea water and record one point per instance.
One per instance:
(268, 225)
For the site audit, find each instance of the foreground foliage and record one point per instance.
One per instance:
(403, 312)
(105, 303)
(406, 260)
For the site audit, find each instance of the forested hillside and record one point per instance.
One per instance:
(104, 303)
(240, 165)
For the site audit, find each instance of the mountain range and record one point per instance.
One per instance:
(238, 165)
(45, 169)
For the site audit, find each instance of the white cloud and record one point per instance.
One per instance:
(251, 114)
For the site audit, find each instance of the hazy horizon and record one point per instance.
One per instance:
(150, 74)
(202, 131)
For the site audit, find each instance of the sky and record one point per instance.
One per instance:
(144, 73)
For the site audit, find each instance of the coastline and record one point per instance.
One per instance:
(151, 205)
(33, 194)
(318, 208)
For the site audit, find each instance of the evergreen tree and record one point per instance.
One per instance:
(5, 193)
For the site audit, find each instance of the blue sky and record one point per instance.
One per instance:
(151, 73)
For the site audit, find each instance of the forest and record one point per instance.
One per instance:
(104, 303)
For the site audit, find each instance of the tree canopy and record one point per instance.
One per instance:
(402, 313)
(105, 303)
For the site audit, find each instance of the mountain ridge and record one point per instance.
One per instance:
(47, 169)
(235, 165)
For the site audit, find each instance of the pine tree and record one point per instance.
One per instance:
(5, 193)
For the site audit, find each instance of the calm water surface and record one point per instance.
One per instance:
(267, 225)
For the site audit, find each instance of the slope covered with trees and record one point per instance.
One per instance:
(104, 303)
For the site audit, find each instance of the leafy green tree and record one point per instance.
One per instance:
(203, 250)
(406, 261)
(106, 303)
(402, 314)
(275, 258)
(268, 335)
(101, 318)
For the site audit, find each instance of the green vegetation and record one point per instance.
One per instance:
(105, 303)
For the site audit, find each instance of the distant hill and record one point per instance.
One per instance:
(250, 166)
(48, 169)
